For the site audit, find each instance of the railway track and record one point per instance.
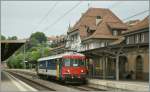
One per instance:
(77, 87)
(32, 83)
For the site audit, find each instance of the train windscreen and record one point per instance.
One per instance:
(73, 62)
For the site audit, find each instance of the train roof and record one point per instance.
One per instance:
(59, 56)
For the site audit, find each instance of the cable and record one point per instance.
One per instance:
(114, 5)
(61, 17)
(50, 10)
(140, 13)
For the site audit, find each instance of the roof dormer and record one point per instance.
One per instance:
(98, 20)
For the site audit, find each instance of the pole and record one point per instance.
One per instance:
(42, 49)
(24, 57)
(117, 67)
(104, 68)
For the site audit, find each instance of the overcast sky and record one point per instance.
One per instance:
(21, 18)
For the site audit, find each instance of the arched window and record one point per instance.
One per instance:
(139, 67)
(122, 66)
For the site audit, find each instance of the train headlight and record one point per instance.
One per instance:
(68, 71)
(81, 71)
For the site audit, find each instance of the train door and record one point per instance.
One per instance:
(59, 66)
(57, 69)
(46, 66)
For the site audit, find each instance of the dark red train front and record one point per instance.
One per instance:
(73, 68)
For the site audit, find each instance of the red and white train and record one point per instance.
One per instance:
(67, 67)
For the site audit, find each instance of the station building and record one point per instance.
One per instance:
(114, 50)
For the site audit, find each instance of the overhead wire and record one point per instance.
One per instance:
(42, 19)
(137, 14)
(46, 15)
(119, 2)
(61, 17)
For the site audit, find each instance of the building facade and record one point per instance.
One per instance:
(137, 56)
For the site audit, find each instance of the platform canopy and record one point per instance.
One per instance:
(8, 47)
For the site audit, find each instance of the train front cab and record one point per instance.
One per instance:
(73, 70)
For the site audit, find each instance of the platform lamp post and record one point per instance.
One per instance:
(24, 57)
(25, 64)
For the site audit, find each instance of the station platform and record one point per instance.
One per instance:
(11, 84)
(124, 85)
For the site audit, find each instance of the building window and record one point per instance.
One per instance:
(106, 43)
(102, 44)
(128, 39)
(98, 17)
(142, 37)
(137, 38)
(115, 32)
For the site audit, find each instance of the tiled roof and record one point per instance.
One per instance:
(88, 19)
(121, 39)
(56, 38)
(116, 25)
(52, 38)
(101, 37)
(61, 46)
(132, 22)
(140, 25)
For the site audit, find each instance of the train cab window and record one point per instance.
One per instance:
(81, 62)
(75, 63)
(67, 62)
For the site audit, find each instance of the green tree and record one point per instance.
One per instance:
(28, 56)
(19, 61)
(47, 52)
(39, 36)
(35, 55)
(12, 38)
(32, 43)
(3, 37)
(16, 61)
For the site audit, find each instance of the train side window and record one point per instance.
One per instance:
(60, 60)
(48, 64)
(57, 61)
(51, 64)
(42, 65)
